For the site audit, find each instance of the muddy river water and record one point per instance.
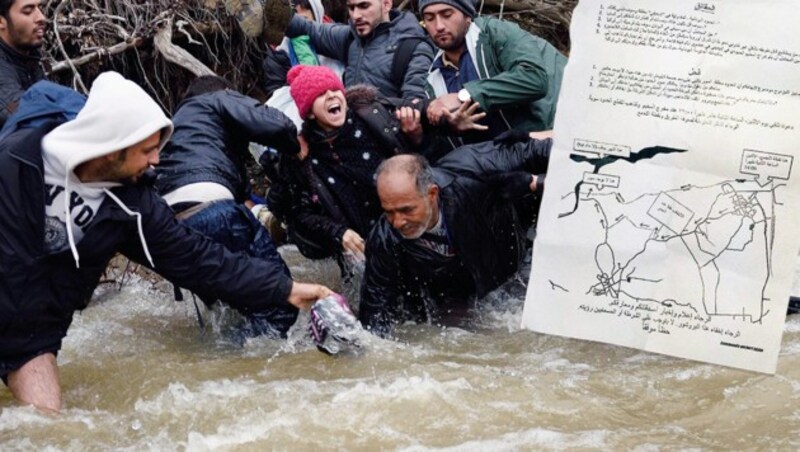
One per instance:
(139, 374)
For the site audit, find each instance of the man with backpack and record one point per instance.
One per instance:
(382, 47)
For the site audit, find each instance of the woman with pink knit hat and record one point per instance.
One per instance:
(333, 203)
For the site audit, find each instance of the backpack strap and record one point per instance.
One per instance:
(402, 57)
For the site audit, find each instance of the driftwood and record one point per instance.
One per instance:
(174, 54)
(103, 52)
(163, 44)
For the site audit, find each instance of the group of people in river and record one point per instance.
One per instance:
(419, 151)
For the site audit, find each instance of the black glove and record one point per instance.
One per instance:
(511, 185)
(511, 136)
(277, 15)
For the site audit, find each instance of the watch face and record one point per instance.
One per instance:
(463, 95)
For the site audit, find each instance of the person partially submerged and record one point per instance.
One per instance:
(332, 202)
(74, 194)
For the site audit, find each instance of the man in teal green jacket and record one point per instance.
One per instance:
(513, 75)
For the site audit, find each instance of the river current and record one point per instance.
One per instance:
(139, 374)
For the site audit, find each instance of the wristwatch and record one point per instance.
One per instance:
(463, 95)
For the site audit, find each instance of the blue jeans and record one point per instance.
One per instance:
(234, 226)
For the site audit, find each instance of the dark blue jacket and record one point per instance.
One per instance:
(17, 73)
(482, 229)
(40, 292)
(211, 138)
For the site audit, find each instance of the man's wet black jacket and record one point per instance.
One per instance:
(482, 227)
(211, 138)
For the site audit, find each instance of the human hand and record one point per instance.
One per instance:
(541, 135)
(465, 118)
(353, 243)
(303, 147)
(439, 106)
(410, 123)
(303, 295)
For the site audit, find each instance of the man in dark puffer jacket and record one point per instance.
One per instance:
(448, 233)
(203, 177)
(22, 27)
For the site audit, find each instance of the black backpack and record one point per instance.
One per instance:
(401, 58)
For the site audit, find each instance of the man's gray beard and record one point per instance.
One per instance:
(423, 229)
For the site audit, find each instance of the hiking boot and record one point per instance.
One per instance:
(277, 14)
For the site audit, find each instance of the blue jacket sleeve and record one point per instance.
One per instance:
(417, 72)
(329, 39)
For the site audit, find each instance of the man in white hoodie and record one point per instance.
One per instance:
(75, 194)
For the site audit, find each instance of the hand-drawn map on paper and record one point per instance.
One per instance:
(671, 221)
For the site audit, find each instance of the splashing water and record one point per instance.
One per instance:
(138, 373)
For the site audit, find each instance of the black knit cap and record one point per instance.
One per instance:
(465, 6)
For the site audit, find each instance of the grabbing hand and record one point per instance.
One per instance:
(541, 135)
(441, 105)
(410, 123)
(303, 295)
(353, 243)
(465, 118)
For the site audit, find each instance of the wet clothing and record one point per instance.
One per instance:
(17, 73)
(211, 138)
(233, 225)
(369, 60)
(519, 78)
(408, 279)
(210, 145)
(40, 292)
(333, 189)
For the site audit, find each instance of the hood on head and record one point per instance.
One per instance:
(317, 9)
(118, 114)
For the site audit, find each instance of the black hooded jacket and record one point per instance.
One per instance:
(17, 73)
(482, 229)
(40, 292)
(211, 139)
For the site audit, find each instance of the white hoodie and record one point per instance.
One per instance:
(118, 114)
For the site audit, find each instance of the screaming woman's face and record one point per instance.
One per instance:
(329, 110)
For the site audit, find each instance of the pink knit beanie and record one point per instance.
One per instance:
(306, 83)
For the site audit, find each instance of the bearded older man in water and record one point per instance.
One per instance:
(449, 232)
